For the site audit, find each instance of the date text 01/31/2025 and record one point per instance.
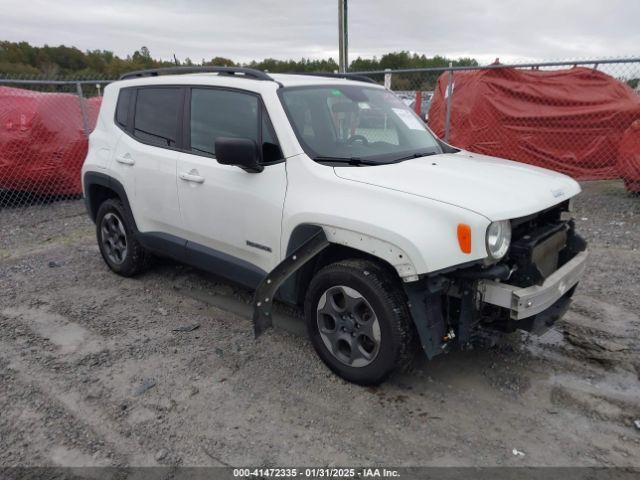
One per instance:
(315, 472)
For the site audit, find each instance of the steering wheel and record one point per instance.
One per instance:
(358, 138)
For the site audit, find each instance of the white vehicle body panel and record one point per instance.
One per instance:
(233, 211)
(424, 229)
(496, 188)
(154, 196)
(104, 137)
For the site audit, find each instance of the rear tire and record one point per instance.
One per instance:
(118, 245)
(358, 321)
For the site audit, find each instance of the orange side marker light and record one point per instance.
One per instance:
(464, 237)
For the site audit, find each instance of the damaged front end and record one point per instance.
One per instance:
(529, 289)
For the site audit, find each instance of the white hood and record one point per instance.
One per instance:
(495, 188)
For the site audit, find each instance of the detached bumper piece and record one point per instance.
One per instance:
(525, 302)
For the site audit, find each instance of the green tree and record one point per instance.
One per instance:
(21, 58)
(219, 62)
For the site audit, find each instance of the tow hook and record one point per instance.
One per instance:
(449, 336)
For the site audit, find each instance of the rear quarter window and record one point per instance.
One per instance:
(122, 108)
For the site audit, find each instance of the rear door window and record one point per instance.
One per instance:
(157, 115)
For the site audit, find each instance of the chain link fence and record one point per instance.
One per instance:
(44, 130)
(581, 118)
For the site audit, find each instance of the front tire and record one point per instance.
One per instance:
(118, 245)
(358, 321)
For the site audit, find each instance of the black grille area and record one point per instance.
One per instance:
(536, 255)
(525, 225)
(541, 243)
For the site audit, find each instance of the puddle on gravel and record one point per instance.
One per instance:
(72, 457)
(592, 330)
(233, 301)
(620, 385)
(612, 396)
(68, 336)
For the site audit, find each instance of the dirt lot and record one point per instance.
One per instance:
(93, 373)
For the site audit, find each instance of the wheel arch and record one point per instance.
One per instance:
(344, 244)
(99, 187)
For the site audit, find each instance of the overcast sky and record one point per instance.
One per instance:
(255, 29)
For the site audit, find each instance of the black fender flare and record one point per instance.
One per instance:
(104, 180)
(263, 298)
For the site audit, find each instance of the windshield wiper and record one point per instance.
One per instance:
(349, 160)
(415, 155)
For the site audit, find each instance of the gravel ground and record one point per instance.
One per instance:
(93, 373)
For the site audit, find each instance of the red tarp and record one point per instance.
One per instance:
(42, 141)
(629, 157)
(571, 121)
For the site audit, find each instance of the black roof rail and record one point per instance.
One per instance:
(347, 76)
(240, 71)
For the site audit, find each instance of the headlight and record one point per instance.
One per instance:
(498, 238)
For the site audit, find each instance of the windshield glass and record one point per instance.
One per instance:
(353, 122)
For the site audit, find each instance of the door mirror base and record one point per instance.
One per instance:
(240, 152)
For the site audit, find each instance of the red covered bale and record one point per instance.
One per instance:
(42, 141)
(571, 121)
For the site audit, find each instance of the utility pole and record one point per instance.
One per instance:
(343, 36)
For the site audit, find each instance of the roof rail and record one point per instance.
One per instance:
(347, 76)
(240, 71)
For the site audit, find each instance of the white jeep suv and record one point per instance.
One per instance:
(329, 193)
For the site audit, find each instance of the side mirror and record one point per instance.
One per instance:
(241, 152)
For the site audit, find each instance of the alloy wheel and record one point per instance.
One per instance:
(348, 326)
(114, 238)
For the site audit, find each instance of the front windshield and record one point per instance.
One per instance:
(356, 123)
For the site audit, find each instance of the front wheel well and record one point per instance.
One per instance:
(332, 254)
